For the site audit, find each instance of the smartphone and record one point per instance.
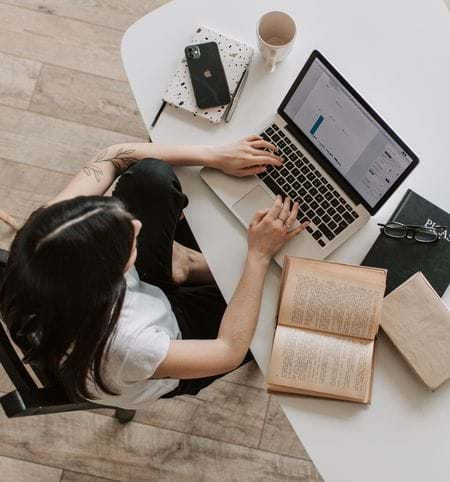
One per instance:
(207, 75)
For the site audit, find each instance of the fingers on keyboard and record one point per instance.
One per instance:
(319, 203)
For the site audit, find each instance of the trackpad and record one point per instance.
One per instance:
(255, 200)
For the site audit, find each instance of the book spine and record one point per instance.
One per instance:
(400, 206)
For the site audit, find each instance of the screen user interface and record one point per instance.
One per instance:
(348, 136)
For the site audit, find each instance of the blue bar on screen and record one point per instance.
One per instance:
(316, 125)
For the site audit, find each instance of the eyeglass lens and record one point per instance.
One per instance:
(424, 235)
(395, 230)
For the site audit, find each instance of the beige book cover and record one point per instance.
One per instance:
(416, 320)
(328, 317)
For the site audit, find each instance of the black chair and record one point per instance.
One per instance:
(30, 399)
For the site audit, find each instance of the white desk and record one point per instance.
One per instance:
(396, 54)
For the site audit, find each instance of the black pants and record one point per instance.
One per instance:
(151, 191)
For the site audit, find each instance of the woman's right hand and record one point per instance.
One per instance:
(269, 229)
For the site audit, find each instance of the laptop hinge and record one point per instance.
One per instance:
(288, 127)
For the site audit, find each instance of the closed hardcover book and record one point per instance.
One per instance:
(404, 257)
(418, 324)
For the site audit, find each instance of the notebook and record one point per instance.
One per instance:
(328, 318)
(236, 57)
(418, 324)
(404, 257)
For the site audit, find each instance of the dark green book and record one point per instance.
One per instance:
(404, 257)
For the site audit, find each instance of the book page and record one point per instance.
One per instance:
(332, 297)
(321, 363)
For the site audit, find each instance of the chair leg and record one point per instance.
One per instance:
(124, 416)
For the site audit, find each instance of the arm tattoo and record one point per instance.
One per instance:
(121, 161)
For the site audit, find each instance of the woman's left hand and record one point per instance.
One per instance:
(245, 157)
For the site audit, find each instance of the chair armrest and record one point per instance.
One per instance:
(3, 257)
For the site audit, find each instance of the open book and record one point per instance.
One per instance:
(328, 317)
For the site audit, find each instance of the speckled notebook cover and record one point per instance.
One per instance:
(236, 57)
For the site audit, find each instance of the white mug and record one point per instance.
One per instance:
(276, 33)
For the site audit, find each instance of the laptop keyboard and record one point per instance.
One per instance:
(328, 212)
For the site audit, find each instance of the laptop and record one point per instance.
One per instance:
(341, 162)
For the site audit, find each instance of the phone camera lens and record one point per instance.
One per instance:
(189, 49)
(190, 56)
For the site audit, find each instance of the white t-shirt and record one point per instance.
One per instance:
(140, 342)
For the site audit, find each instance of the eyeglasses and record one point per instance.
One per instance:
(422, 234)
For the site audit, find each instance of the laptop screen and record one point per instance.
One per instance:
(349, 137)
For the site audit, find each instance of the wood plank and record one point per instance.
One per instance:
(14, 470)
(5, 383)
(119, 14)
(249, 374)
(223, 411)
(61, 41)
(97, 445)
(24, 188)
(69, 476)
(87, 99)
(18, 79)
(278, 435)
(52, 143)
(6, 235)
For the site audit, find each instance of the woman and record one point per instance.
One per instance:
(109, 294)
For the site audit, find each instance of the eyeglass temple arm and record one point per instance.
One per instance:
(412, 226)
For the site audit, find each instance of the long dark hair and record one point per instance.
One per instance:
(64, 287)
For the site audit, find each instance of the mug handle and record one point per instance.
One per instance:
(270, 61)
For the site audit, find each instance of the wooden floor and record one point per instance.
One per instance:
(63, 96)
